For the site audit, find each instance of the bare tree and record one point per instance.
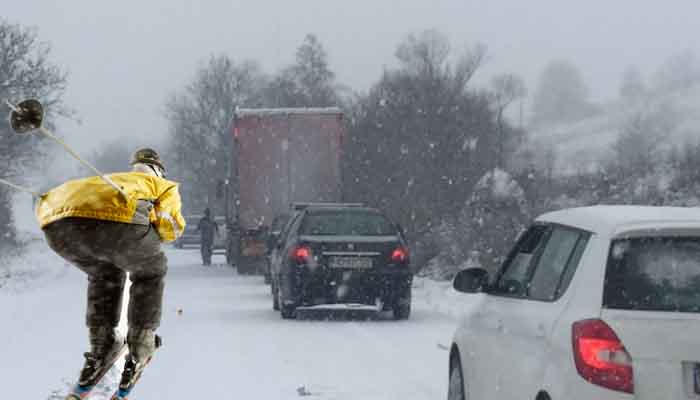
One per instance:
(471, 59)
(427, 54)
(199, 120)
(25, 71)
(309, 82)
(507, 88)
(113, 156)
(561, 94)
(419, 139)
(680, 71)
(632, 87)
(643, 141)
(424, 53)
(315, 78)
(283, 91)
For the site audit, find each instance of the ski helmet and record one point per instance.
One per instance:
(147, 156)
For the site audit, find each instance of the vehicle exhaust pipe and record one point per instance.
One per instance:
(28, 116)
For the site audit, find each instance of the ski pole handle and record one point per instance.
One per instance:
(48, 133)
(29, 114)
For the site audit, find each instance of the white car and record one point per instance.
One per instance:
(592, 303)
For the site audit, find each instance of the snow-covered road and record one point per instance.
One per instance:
(227, 343)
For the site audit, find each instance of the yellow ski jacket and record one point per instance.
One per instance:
(152, 200)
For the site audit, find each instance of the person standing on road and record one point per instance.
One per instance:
(106, 235)
(208, 229)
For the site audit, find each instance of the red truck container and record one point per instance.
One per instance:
(280, 156)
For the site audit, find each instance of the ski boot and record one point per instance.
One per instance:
(142, 346)
(106, 348)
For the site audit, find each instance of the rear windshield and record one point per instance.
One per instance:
(654, 274)
(346, 223)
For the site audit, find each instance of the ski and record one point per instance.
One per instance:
(125, 388)
(81, 392)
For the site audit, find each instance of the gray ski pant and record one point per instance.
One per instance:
(106, 251)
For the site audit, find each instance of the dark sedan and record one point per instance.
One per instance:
(342, 257)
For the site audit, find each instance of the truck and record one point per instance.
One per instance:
(280, 156)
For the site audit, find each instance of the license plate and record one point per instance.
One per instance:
(696, 377)
(350, 262)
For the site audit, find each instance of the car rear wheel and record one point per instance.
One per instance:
(287, 311)
(402, 312)
(455, 389)
(275, 297)
(402, 307)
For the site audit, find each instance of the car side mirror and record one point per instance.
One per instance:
(472, 280)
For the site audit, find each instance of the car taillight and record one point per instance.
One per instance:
(600, 356)
(301, 254)
(399, 255)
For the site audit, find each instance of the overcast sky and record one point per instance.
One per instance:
(125, 57)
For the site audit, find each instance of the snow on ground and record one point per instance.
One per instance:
(33, 270)
(222, 340)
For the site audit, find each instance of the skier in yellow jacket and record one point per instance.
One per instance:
(107, 234)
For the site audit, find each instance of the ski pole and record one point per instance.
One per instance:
(20, 188)
(12, 106)
(48, 133)
(36, 124)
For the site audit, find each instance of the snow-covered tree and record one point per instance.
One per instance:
(496, 213)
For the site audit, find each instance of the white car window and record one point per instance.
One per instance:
(557, 254)
(512, 280)
(654, 274)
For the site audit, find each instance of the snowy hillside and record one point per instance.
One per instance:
(580, 144)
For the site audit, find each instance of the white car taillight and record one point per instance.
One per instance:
(600, 356)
